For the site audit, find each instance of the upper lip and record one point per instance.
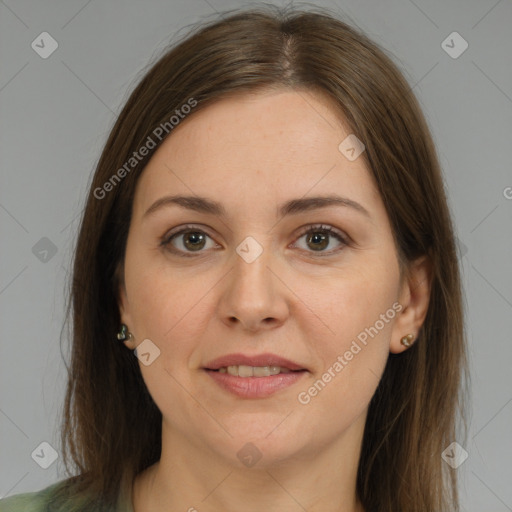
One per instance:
(256, 360)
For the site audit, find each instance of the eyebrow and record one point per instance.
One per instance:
(292, 207)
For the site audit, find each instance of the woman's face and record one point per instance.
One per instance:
(229, 270)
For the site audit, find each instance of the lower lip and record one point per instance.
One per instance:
(255, 387)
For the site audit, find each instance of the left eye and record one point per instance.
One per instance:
(318, 238)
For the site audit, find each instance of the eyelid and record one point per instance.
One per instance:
(181, 229)
(324, 227)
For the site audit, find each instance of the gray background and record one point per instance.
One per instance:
(56, 114)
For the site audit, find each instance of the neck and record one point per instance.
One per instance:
(192, 478)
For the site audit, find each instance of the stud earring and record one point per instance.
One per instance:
(406, 341)
(124, 334)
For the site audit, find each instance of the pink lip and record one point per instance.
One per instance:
(257, 360)
(255, 387)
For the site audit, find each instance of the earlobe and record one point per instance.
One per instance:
(408, 340)
(124, 335)
(415, 299)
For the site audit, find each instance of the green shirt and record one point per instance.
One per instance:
(37, 501)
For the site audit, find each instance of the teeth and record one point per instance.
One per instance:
(253, 371)
(245, 371)
(262, 371)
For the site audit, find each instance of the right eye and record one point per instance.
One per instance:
(189, 240)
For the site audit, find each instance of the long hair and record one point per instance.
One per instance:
(111, 428)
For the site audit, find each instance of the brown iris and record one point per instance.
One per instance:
(196, 238)
(318, 238)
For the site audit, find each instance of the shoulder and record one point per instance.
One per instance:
(29, 501)
(44, 500)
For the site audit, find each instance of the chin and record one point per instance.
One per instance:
(261, 445)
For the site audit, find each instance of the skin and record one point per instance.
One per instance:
(252, 153)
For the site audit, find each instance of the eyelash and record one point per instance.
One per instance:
(316, 228)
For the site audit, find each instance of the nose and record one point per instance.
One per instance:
(254, 296)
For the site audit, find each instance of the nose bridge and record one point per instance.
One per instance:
(252, 294)
(252, 261)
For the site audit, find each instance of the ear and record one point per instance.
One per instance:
(124, 305)
(414, 299)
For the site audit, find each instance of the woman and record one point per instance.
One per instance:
(267, 232)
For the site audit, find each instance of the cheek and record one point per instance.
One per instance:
(163, 300)
(349, 301)
(358, 310)
(170, 311)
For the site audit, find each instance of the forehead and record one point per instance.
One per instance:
(283, 122)
(264, 147)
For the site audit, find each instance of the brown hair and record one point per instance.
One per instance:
(111, 427)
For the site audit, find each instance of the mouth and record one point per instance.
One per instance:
(242, 365)
(254, 376)
(245, 371)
